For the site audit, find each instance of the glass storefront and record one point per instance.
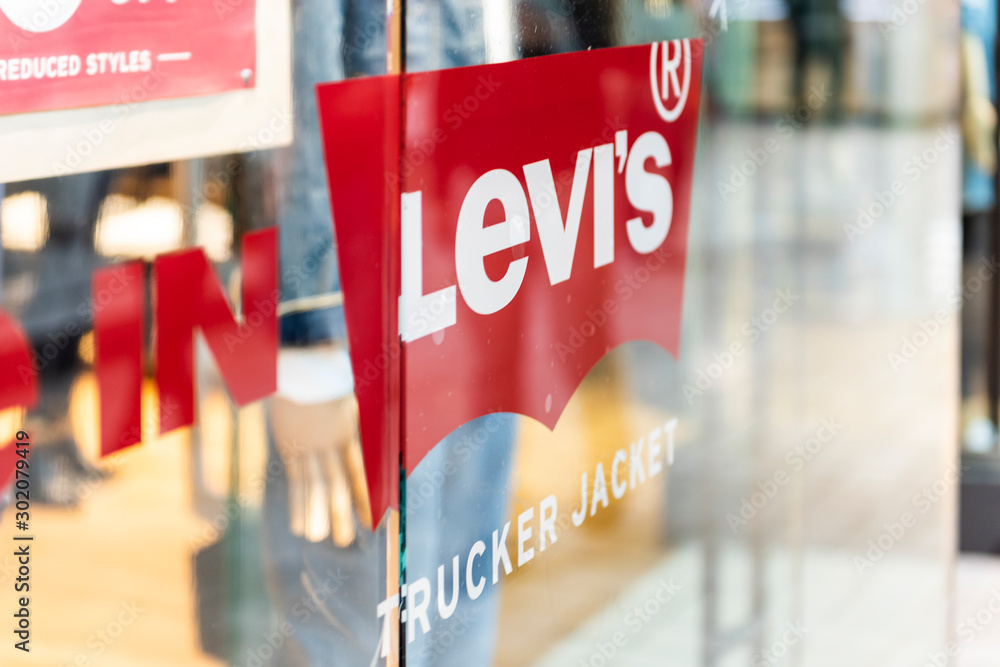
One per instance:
(781, 492)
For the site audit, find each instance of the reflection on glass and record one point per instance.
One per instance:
(246, 540)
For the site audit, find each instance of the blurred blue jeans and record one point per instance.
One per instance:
(470, 503)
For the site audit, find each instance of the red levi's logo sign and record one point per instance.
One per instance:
(500, 229)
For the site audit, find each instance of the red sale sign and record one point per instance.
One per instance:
(64, 54)
(188, 297)
(502, 228)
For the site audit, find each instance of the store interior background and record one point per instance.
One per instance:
(784, 224)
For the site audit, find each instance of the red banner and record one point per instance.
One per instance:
(63, 54)
(188, 297)
(518, 223)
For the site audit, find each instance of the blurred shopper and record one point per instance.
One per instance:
(981, 238)
(820, 33)
(56, 316)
